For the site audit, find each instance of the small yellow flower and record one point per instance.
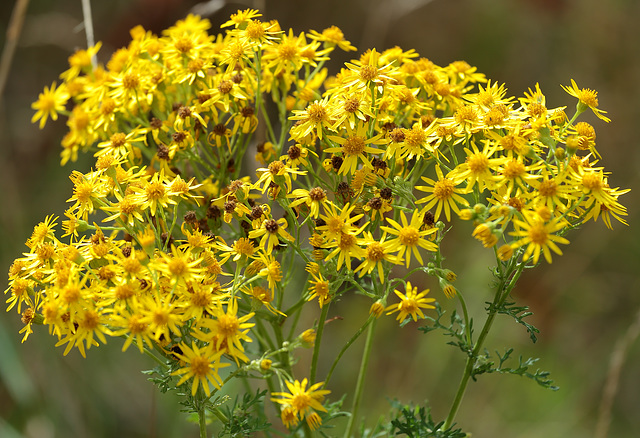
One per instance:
(226, 331)
(587, 98)
(444, 195)
(50, 102)
(355, 146)
(539, 237)
(202, 365)
(301, 402)
(319, 289)
(411, 304)
(409, 237)
(269, 232)
(332, 36)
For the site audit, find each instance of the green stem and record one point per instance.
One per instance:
(202, 416)
(360, 383)
(316, 345)
(507, 282)
(346, 347)
(466, 317)
(284, 356)
(156, 359)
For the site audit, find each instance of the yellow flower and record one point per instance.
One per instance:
(120, 144)
(319, 289)
(539, 237)
(125, 322)
(179, 265)
(338, 221)
(332, 36)
(479, 167)
(277, 173)
(241, 17)
(313, 119)
(486, 234)
(202, 365)
(43, 232)
(301, 402)
(269, 231)
(286, 55)
(226, 331)
(587, 98)
(89, 323)
(367, 72)
(162, 316)
(313, 199)
(154, 193)
(355, 147)
(346, 246)
(376, 252)
(444, 195)
(411, 304)
(410, 237)
(50, 102)
(80, 61)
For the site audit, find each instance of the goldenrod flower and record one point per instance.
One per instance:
(355, 146)
(319, 289)
(587, 98)
(332, 36)
(538, 236)
(201, 365)
(301, 402)
(444, 195)
(338, 221)
(226, 331)
(269, 232)
(409, 236)
(50, 102)
(411, 303)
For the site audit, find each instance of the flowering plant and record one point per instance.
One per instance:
(237, 184)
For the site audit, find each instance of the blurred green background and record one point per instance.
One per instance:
(583, 303)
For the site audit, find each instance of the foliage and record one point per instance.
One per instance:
(236, 183)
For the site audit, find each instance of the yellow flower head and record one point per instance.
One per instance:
(587, 98)
(50, 102)
(411, 304)
(301, 402)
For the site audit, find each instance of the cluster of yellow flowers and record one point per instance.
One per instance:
(171, 243)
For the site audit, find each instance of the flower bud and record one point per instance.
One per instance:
(308, 338)
(376, 309)
(467, 214)
(505, 252)
(265, 364)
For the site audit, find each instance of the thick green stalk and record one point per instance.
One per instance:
(202, 413)
(202, 421)
(357, 398)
